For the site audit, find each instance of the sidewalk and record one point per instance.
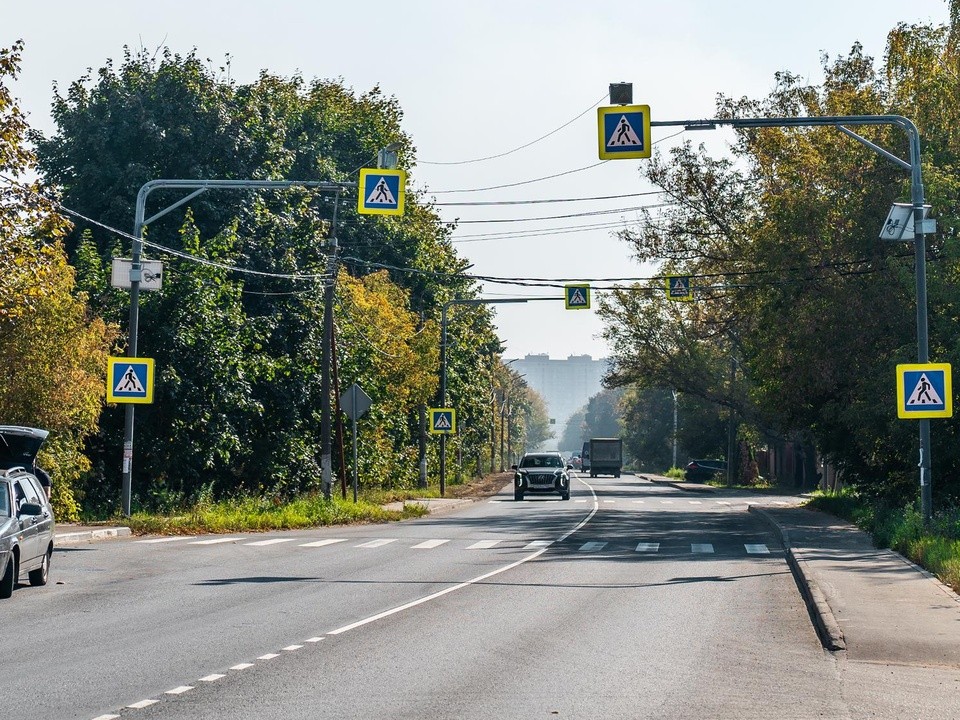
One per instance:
(873, 603)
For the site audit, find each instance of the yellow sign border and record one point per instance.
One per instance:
(453, 421)
(947, 411)
(146, 399)
(363, 209)
(566, 296)
(602, 112)
(679, 298)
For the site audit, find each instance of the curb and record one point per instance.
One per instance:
(432, 505)
(88, 536)
(828, 629)
(686, 487)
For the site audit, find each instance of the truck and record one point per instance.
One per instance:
(606, 456)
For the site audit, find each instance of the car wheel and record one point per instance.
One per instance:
(9, 580)
(41, 574)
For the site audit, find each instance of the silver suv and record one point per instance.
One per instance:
(543, 472)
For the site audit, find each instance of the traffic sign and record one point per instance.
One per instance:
(355, 402)
(381, 191)
(924, 391)
(624, 132)
(443, 421)
(576, 297)
(129, 380)
(679, 288)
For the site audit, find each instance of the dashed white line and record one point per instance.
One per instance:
(609, 501)
(483, 545)
(648, 547)
(701, 547)
(694, 502)
(179, 690)
(324, 543)
(142, 704)
(242, 666)
(376, 543)
(666, 502)
(212, 678)
(273, 541)
(106, 717)
(429, 544)
(757, 549)
(215, 541)
(291, 648)
(313, 639)
(640, 502)
(269, 656)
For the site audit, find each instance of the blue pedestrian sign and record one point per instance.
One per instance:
(129, 380)
(679, 288)
(924, 391)
(443, 421)
(624, 132)
(382, 191)
(577, 297)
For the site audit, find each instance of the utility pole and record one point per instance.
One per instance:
(329, 294)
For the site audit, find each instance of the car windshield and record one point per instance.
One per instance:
(4, 500)
(541, 461)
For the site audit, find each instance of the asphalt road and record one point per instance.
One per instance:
(632, 600)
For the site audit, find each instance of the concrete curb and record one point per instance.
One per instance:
(87, 536)
(434, 506)
(828, 629)
(686, 487)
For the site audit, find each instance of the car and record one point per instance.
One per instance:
(543, 472)
(26, 517)
(703, 470)
(575, 462)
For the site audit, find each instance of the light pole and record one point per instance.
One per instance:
(840, 122)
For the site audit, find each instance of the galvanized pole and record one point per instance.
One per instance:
(353, 404)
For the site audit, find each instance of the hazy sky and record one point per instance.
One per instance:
(477, 79)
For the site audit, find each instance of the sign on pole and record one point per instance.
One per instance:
(576, 297)
(679, 288)
(129, 380)
(924, 391)
(381, 191)
(443, 421)
(151, 273)
(355, 402)
(624, 132)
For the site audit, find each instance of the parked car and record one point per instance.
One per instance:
(541, 473)
(26, 517)
(703, 470)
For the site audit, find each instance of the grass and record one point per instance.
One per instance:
(935, 547)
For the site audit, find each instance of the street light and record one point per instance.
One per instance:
(919, 243)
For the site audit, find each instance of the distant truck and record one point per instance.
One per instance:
(606, 456)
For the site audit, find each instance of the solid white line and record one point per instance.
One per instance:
(474, 581)
(591, 546)
(269, 656)
(179, 690)
(242, 666)
(483, 545)
(291, 648)
(701, 548)
(376, 543)
(274, 541)
(428, 544)
(153, 541)
(142, 704)
(324, 543)
(757, 549)
(212, 678)
(648, 547)
(215, 541)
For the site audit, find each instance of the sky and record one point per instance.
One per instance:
(483, 79)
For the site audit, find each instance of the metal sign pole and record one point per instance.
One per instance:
(353, 393)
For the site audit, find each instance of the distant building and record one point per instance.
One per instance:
(565, 385)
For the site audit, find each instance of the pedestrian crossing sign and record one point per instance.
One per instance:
(382, 191)
(679, 288)
(924, 391)
(577, 297)
(129, 380)
(443, 421)
(624, 132)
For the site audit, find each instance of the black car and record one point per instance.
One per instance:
(703, 470)
(541, 473)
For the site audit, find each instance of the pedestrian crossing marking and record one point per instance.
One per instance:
(640, 502)
(624, 135)
(648, 547)
(701, 548)
(323, 543)
(215, 541)
(483, 545)
(153, 541)
(695, 502)
(609, 501)
(273, 541)
(757, 549)
(592, 546)
(580, 501)
(429, 544)
(666, 502)
(538, 544)
(924, 393)
(376, 543)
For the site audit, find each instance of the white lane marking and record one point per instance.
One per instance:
(666, 502)
(583, 501)
(483, 545)
(758, 549)
(473, 581)
(324, 543)
(694, 502)
(537, 544)
(106, 717)
(722, 502)
(376, 543)
(609, 501)
(428, 544)
(212, 678)
(215, 541)
(780, 502)
(291, 648)
(648, 547)
(242, 666)
(640, 502)
(313, 639)
(179, 690)
(269, 656)
(274, 541)
(142, 704)
(701, 548)
(153, 541)
(591, 546)
(495, 501)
